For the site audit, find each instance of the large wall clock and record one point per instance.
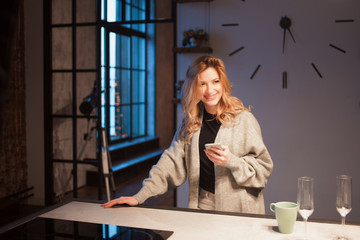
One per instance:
(283, 28)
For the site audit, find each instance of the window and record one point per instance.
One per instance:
(126, 47)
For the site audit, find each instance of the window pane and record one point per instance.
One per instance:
(62, 138)
(127, 12)
(138, 87)
(123, 51)
(125, 62)
(123, 121)
(62, 93)
(86, 81)
(135, 87)
(135, 52)
(138, 120)
(142, 86)
(62, 48)
(103, 96)
(85, 47)
(112, 86)
(120, 51)
(138, 14)
(61, 11)
(135, 3)
(103, 117)
(103, 10)
(137, 10)
(138, 53)
(103, 54)
(112, 109)
(142, 4)
(86, 10)
(135, 14)
(103, 85)
(124, 87)
(112, 121)
(142, 28)
(112, 46)
(113, 10)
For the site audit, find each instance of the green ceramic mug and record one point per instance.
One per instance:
(285, 213)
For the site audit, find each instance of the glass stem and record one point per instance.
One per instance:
(305, 221)
(342, 226)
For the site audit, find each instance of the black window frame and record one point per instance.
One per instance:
(118, 27)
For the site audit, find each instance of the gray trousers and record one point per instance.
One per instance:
(206, 200)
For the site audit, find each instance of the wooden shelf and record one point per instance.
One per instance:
(190, 49)
(189, 1)
(193, 50)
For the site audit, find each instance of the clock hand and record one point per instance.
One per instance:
(291, 35)
(284, 40)
(285, 23)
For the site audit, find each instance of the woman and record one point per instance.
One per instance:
(227, 179)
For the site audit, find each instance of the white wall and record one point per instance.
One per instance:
(313, 127)
(34, 99)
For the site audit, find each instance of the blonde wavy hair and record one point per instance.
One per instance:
(227, 108)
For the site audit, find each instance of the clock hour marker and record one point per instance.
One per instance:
(256, 70)
(237, 50)
(284, 80)
(337, 48)
(230, 24)
(317, 71)
(344, 20)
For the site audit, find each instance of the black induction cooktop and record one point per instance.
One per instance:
(45, 228)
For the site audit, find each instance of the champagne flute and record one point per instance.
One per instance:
(343, 199)
(305, 198)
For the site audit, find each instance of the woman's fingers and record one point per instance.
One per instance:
(121, 200)
(214, 157)
(218, 156)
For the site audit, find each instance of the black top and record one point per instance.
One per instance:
(209, 129)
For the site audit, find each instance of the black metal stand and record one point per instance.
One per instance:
(107, 166)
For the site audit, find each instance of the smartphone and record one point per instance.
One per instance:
(215, 145)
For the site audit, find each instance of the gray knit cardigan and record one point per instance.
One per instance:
(238, 184)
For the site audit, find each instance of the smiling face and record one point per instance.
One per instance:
(210, 89)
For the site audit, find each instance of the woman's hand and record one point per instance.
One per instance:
(218, 156)
(121, 200)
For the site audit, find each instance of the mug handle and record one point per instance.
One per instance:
(272, 207)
